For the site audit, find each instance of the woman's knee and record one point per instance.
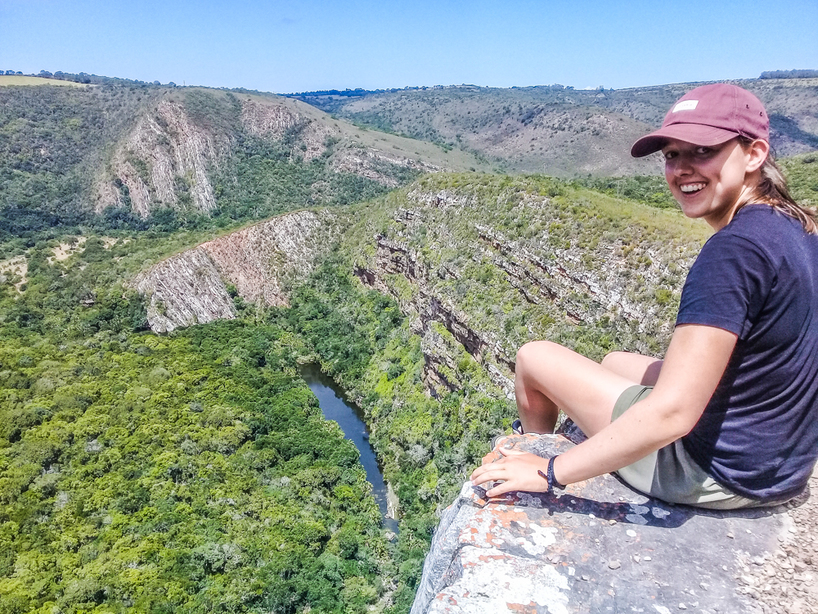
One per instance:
(613, 360)
(534, 353)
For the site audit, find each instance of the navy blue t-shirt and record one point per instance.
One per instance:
(758, 278)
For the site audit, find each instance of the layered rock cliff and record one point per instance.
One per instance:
(465, 259)
(192, 287)
(181, 146)
(165, 157)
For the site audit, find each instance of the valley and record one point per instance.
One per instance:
(172, 257)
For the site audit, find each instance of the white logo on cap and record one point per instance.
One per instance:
(685, 105)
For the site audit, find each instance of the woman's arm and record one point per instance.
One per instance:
(694, 364)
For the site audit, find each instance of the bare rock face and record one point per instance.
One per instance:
(370, 163)
(170, 155)
(274, 121)
(256, 259)
(184, 290)
(191, 287)
(165, 155)
(597, 547)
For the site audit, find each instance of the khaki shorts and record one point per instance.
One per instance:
(671, 474)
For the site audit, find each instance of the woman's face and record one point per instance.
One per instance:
(709, 182)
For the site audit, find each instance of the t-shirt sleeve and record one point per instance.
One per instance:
(727, 285)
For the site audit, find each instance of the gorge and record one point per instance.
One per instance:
(169, 264)
(335, 406)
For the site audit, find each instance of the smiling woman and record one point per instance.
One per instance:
(729, 419)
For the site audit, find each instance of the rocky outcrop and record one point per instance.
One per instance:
(394, 258)
(277, 121)
(165, 158)
(597, 547)
(174, 151)
(191, 287)
(258, 260)
(184, 290)
(375, 164)
(458, 256)
(538, 280)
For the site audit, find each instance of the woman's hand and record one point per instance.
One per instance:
(517, 470)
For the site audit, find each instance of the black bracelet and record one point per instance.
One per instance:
(552, 481)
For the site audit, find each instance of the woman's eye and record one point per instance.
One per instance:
(703, 151)
(669, 155)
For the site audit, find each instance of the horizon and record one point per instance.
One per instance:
(314, 45)
(52, 75)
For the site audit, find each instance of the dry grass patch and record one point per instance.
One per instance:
(22, 80)
(16, 267)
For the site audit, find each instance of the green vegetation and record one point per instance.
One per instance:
(52, 143)
(649, 189)
(265, 179)
(189, 473)
(802, 178)
(427, 445)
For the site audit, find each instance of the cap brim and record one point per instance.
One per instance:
(689, 133)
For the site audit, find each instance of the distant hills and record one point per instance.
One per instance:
(138, 156)
(559, 130)
(116, 153)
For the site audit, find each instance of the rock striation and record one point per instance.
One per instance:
(165, 156)
(180, 149)
(597, 547)
(192, 287)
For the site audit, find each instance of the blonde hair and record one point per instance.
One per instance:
(772, 190)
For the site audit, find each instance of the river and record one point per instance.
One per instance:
(335, 406)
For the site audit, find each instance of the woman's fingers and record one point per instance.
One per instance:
(517, 470)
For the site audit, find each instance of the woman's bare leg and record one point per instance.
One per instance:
(550, 377)
(638, 368)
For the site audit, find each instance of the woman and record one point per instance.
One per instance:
(729, 418)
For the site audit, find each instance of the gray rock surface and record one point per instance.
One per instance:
(597, 547)
(191, 287)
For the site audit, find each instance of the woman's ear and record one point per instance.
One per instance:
(758, 151)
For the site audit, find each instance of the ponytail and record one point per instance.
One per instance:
(772, 190)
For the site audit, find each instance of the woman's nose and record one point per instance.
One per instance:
(680, 166)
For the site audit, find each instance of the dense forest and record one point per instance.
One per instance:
(193, 471)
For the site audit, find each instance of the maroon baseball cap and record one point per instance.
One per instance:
(709, 115)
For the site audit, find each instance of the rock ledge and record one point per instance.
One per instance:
(597, 547)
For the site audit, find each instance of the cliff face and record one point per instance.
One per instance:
(182, 145)
(191, 287)
(165, 156)
(460, 258)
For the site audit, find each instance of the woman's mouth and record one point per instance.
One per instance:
(690, 188)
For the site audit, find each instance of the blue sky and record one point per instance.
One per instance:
(287, 46)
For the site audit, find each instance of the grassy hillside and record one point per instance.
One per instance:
(6, 80)
(802, 177)
(125, 155)
(558, 130)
